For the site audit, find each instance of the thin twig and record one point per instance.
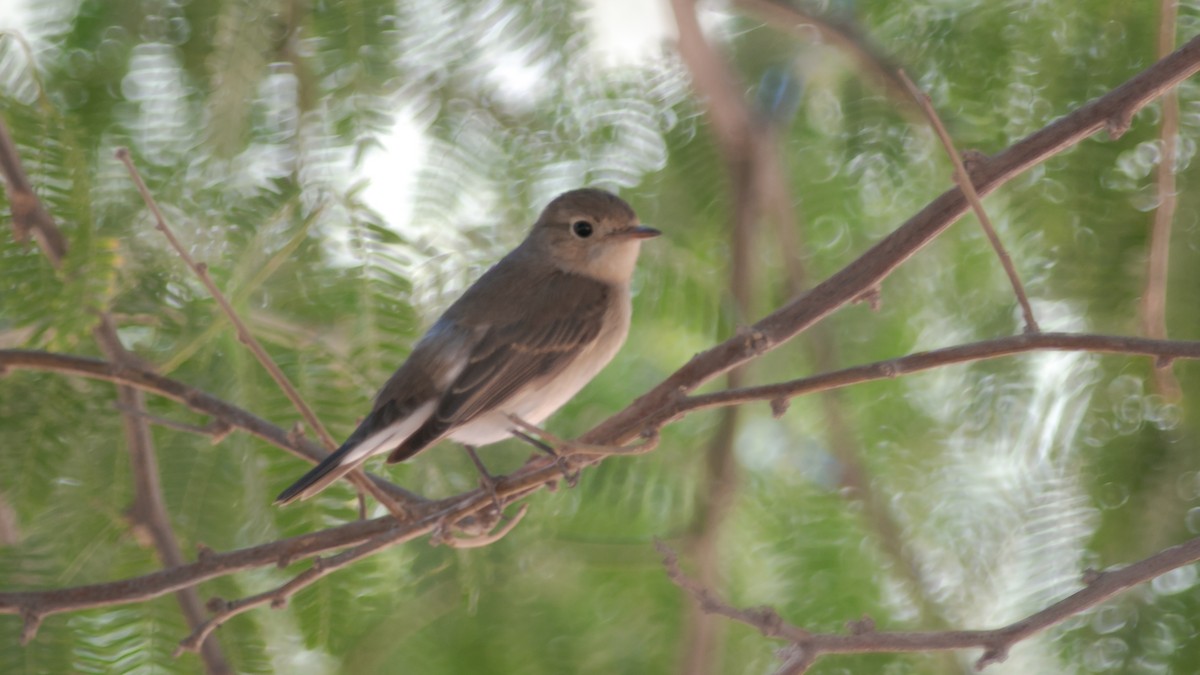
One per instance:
(243, 332)
(964, 182)
(149, 512)
(534, 475)
(753, 167)
(397, 508)
(1154, 297)
(321, 567)
(1112, 112)
(914, 363)
(189, 396)
(479, 541)
(217, 430)
(29, 216)
(995, 643)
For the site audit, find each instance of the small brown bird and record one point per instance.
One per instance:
(522, 340)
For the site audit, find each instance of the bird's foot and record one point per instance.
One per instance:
(486, 480)
(571, 478)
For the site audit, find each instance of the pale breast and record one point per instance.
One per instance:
(540, 400)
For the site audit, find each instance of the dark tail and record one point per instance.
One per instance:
(321, 475)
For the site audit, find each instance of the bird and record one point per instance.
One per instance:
(520, 342)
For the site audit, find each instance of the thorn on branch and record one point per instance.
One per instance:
(873, 296)
(972, 160)
(1091, 575)
(296, 434)
(33, 621)
(766, 618)
(138, 528)
(203, 552)
(216, 604)
(796, 660)
(991, 655)
(861, 626)
(1161, 363)
(779, 406)
(757, 342)
(1118, 124)
(488, 539)
(279, 602)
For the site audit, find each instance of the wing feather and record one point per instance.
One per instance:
(511, 355)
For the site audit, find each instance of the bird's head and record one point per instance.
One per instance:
(591, 232)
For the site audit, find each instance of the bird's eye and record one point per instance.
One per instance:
(582, 229)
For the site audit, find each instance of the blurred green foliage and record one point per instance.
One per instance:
(253, 121)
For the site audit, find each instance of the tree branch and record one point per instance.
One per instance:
(963, 179)
(148, 511)
(195, 399)
(29, 216)
(1112, 111)
(1154, 298)
(535, 474)
(321, 567)
(995, 643)
(1161, 350)
(660, 405)
(398, 508)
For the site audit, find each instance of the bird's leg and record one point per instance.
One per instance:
(486, 479)
(572, 479)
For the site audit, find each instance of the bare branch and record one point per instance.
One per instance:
(148, 512)
(995, 643)
(914, 363)
(660, 405)
(29, 216)
(217, 430)
(195, 399)
(535, 474)
(963, 179)
(1154, 297)
(396, 504)
(243, 332)
(321, 567)
(1111, 111)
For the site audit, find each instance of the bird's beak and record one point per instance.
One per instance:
(640, 232)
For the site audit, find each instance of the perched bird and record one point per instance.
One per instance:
(521, 341)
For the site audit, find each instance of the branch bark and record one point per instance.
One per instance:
(995, 643)
(148, 512)
(1154, 299)
(648, 413)
(1112, 111)
(535, 474)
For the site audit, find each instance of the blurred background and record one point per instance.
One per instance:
(347, 168)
